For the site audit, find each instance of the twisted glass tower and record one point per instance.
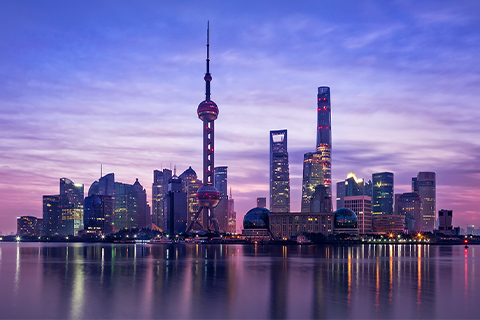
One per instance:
(324, 134)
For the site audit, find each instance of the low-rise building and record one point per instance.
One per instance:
(285, 225)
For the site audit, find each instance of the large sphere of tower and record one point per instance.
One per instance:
(208, 196)
(207, 110)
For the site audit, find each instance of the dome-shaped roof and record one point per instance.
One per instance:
(207, 110)
(345, 218)
(93, 188)
(256, 218)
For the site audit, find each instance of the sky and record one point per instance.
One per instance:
(85, 83)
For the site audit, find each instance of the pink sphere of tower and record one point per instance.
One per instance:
(208, 196)
(207, 110)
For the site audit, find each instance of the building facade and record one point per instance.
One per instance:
(382, 193)
(52, 215)
(279, 172)
(72, 195)
(313, 171)
(159, 191)
(352, 186)
(409, 205)
(232, 215)
(262, 202)
(175, 208)
(29, 226)
(131, 208)
(98, 214)
(221, 210)
(425, 185)
(284, 225)
(388, 223)
(321, 201)
(445, 221)
(362, 206)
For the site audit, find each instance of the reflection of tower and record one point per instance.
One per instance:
(324, 134)
(279, 172)
(207, 195)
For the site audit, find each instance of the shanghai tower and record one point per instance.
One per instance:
(324, 134)
(207, 194)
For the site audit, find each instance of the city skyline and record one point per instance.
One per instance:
(119, 86)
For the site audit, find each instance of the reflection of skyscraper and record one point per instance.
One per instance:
(324, 134)
(72, 195)
(382, 193)
(159, 190)
(424, 184)
(279, 172)
(312, 177)
(221, 210)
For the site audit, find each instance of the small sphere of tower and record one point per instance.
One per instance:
(207, 110)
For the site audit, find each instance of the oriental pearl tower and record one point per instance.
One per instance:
(207, 195)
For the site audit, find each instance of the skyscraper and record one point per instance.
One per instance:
(98, 214)
(191, 184)
(424, 184)
(279, 172)
(352, 186)
(232, 215)
(71, 195)
(409, 205)
(221, 210)
(382, 193)
(312, 177)
(131, 210)
(52, 215)
(324, 134)
(207, 195)
(159, 191)
(175, 207)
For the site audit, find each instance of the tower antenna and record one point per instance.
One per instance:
(101, 170)
(208, 76)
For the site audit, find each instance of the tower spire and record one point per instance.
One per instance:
(208, 76)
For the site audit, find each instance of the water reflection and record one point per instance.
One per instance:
(234, 281)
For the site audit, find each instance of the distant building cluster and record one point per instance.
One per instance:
(111, 206)
(362, 207)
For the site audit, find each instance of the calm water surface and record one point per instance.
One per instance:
(44, 280)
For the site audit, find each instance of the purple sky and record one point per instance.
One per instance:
(118, 83)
